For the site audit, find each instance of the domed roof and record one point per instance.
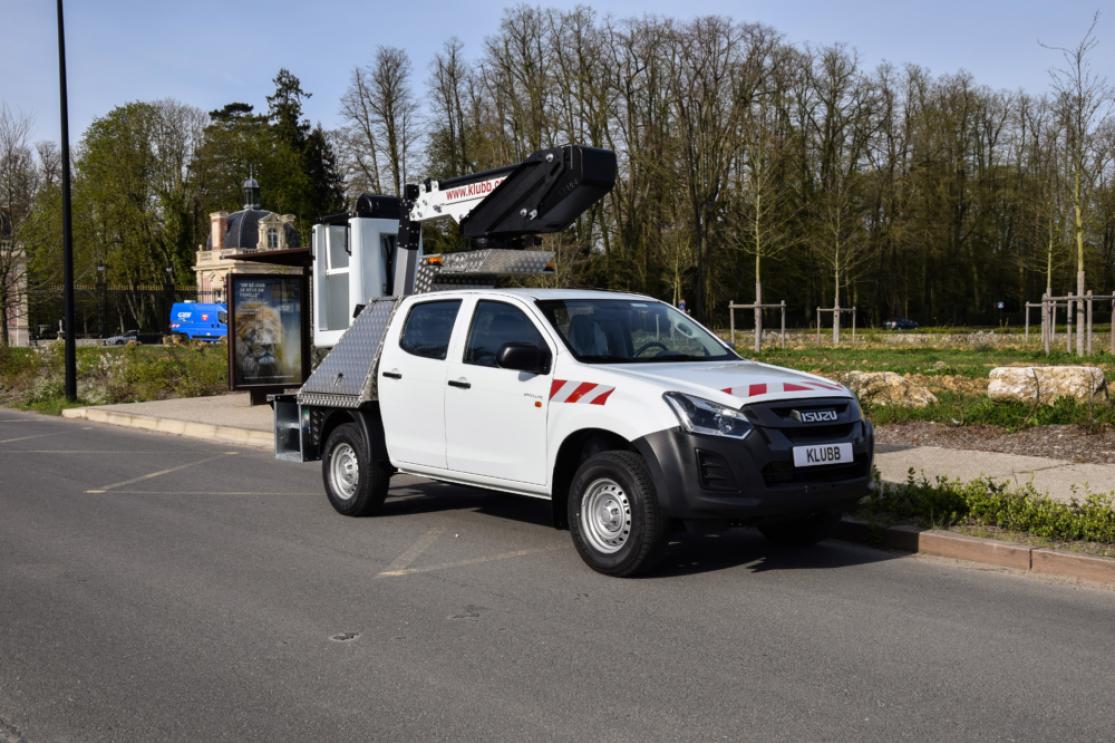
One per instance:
(242, 230)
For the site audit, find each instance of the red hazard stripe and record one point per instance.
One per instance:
(791, 387)
(582, 389)
(602, 397)
(556, 385)
(756, 389)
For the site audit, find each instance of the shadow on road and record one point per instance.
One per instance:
(687, 554)
(747, 548)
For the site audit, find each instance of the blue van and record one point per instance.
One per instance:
(197, 321)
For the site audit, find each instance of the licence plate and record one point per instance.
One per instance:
(821, 454)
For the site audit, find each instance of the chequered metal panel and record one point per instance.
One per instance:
(496, 261)
(479, 269)
(346, 376)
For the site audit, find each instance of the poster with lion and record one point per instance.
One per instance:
(267, 331)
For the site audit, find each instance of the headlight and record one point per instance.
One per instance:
(698, 415)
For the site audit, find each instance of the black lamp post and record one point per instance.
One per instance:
(67, 231)
(169, 284)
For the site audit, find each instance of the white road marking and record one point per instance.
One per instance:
(28, 438)
(101, 452)
(471, 561)
(400, 564)
(204, 492)
(160, 473)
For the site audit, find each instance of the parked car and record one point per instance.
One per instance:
(132, 335)
(901, 323)
(199, 321)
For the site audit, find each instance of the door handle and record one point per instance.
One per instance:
(393, 374)
(459, 384)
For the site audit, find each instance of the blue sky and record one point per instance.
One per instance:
(208, 53)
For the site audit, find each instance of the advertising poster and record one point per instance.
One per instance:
(266, 338)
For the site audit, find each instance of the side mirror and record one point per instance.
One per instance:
(524, 357)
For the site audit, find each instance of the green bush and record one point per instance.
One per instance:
(987, 502)
(34, 377)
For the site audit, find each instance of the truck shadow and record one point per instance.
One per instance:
(687, 554)
(747, 548)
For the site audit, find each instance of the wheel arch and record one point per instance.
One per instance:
(576, 448)
(367, 419)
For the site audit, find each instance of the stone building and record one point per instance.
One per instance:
(250, 231)
(13, 272)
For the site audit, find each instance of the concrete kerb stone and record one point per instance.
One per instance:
(1019, 557)
(190, 429)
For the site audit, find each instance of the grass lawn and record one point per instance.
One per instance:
(957, 376)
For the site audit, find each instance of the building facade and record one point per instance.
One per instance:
(250, 230)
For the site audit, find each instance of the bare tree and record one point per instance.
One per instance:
(394, 111)
(358, 145)
(18, 178)
(1081, 97)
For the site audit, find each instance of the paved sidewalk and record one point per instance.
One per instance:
(230, 418)
(1061, 479)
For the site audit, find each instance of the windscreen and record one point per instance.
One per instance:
(626, 331)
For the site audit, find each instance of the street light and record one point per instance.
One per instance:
(67, 230)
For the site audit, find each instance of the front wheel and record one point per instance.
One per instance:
(614, 517)
(355, 485)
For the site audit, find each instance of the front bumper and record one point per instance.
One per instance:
(754, 480)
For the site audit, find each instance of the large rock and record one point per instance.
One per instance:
(888, 389)
(1047, 384)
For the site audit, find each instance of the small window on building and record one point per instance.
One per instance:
(428, 328)
(272, 237)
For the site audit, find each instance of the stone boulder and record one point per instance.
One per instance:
(888, 389)
(1046, 384)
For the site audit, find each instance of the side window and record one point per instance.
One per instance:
(428, 328)
(493, 325)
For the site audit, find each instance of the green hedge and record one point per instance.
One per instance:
(987, 502)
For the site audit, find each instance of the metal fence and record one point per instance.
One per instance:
(102, 311)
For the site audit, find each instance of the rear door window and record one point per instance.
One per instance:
(428, 327)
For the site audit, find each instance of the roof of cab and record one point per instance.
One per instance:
(528, 293)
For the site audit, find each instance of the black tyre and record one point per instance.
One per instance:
(614, 517)
(356, 486)
(801, 532)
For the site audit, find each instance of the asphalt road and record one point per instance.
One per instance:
(154, 588)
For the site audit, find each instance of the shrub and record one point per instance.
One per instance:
(987, 502)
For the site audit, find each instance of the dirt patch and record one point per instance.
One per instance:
(1070, 443)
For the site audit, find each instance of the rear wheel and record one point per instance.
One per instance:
(355, 485)
(614, 517)
(801, 532)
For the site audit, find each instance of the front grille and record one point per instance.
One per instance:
(714, 471)
(782, 473)
(820, 434)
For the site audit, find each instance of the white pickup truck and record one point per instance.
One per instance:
(624, 413)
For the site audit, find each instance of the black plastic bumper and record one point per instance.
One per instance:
(754, 480)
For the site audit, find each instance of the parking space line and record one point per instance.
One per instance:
(160, 473)
(99, 452)
(400, 564)
(471, 561)
(204, 492)
(28, 438)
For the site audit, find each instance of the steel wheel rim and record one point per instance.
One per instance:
(344, 471)
(606, 516)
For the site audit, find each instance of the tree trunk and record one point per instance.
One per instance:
(1078, 226)
(758, 277)
(836, 306)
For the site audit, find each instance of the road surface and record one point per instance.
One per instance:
(156, 588)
